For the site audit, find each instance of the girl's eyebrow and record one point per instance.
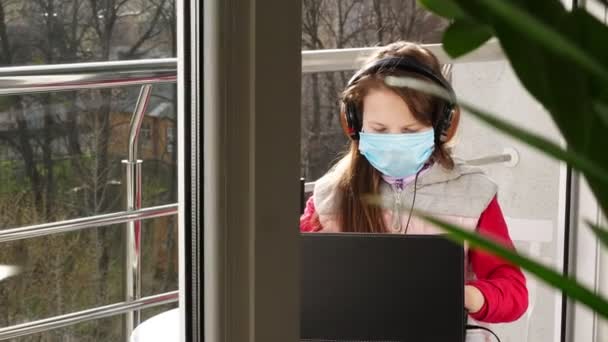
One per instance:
(375, 123)
(409, 126)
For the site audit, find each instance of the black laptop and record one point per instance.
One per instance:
(381, 287)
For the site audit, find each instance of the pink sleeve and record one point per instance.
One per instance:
(502, 284)
(309, 221)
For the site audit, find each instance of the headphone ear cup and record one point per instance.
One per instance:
(352, 121)
(445, 123)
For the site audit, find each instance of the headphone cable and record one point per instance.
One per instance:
(407, 225)
(479, 327)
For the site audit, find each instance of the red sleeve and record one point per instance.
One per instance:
(502, 284)
(309, 221)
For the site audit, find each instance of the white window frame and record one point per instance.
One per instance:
(251, 62)
(587, 256)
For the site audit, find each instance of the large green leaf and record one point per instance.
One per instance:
(568, 84)
(602, 110)
(443, 8)
(464, 36)
(549, 25)
(576, 160)
(561, 58)
(569, 286)
(565, 88)
(601, 233)
(603, 2)
(535, 30)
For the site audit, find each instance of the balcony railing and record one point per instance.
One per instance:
(53, 78)
(351, 59)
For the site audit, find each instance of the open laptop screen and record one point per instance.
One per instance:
(381, 287)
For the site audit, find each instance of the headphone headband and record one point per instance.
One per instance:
(388, 65)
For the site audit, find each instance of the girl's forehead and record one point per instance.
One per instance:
(388, 117)
(383, 107)
(381, 96)
(384, 102)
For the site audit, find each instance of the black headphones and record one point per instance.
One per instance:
(443, 121)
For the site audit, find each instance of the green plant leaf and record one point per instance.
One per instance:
(567, 285)
(444, 8)
(565, 87)
(561, 57)
(535, 30)
(601, 233)
(602, 111)
(576, 160)
(464, 36)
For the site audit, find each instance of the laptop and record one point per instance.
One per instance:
(381, 288)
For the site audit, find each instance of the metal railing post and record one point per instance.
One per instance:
(134, 192)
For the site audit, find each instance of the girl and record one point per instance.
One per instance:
(399, 152)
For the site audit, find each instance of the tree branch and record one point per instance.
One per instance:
(149, 32)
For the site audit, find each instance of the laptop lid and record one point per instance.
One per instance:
(381, 287)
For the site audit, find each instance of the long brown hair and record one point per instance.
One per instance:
(360, 178)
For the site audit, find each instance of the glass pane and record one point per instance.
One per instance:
(64, 273)
(335, 24)
(80, 270)
(157, 310)
(159, 323)
(321, 133)
(159, 256)
(105, 329)
(62, 31)
(61, 153)
(328, 24)
(529, 190)
(60, 158)
(158, 147)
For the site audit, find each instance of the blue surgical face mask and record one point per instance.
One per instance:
(397, 155)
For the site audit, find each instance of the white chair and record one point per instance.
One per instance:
(535, 233)
(7, 271)
(163, 327)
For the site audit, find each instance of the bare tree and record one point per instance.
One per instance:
(6, 57)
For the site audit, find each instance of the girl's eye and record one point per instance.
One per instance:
(379, 130)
